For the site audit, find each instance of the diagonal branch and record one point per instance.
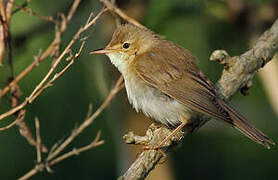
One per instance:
(120, 13)
(48, 52)
(54, 155)
(241, 69)
(40, 87)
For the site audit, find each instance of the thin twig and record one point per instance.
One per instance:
(59, 74)
(88, 121)
(40, 86)
(22, 5)
(116, 16)
(2, 42)
(39, 141)
(49, 161)
(26, 132)
(32, 13)
(72, 10)
(96, 142)
(13, 110)
(30, 173)
(8, 126)
(3, 11)
(9, 10)
(48, 52)
(116, 10)
(5, 18)
(41, 166)
(66, 50)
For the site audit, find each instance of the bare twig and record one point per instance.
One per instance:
(22, 5)
(40, 87)
(117, 19)
(2, 41)
(59, 74)
(119, 12)
(96, 142)
(88, 121)
(8, 126)
(238, 72)
(48, 52)
(72, 10)
(13, 110)
(26, 132)
(41, 166)
(52, 49)
(52, 157)
(2, 11)
(38, 139)
(32, 13)
(23, 129)
(5, 18)
(9, 10)
(66, 50)
(31, 173)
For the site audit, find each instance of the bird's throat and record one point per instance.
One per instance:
(120, 60)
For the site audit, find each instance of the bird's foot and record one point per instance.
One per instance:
(156, 148)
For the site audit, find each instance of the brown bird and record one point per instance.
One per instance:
(163, 81)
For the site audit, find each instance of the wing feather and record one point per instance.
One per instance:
(176, 75)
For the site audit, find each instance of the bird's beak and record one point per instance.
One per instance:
(100, 51)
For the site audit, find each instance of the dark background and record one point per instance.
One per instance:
(216, 151)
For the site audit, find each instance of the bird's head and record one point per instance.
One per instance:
(128, 41)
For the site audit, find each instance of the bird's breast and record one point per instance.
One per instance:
(152, 102)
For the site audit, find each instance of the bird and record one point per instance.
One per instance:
(163, 81)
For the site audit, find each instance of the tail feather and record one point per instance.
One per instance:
(241, 124)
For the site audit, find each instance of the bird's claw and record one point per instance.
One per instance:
(156, 148)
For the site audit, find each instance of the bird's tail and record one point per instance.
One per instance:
(240, 123)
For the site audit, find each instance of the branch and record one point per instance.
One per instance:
(111, 7)
(241, 69)
(5, 18)
(89, 120)
(21, 6)
(48, 52)
(43, 84)
(59, 147)
(32, 13)
(238, 72)
(41, 166)
(66, 51)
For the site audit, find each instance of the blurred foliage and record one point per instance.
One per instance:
(214, 152)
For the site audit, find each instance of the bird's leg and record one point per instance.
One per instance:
(171, 135)
(168, 137)
(161, 144)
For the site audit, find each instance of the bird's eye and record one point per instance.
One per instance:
(126, 45)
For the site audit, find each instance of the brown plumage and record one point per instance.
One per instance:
(163, 81)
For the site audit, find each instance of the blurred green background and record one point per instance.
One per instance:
(216, 151)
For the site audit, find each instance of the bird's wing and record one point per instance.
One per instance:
(175, 74)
